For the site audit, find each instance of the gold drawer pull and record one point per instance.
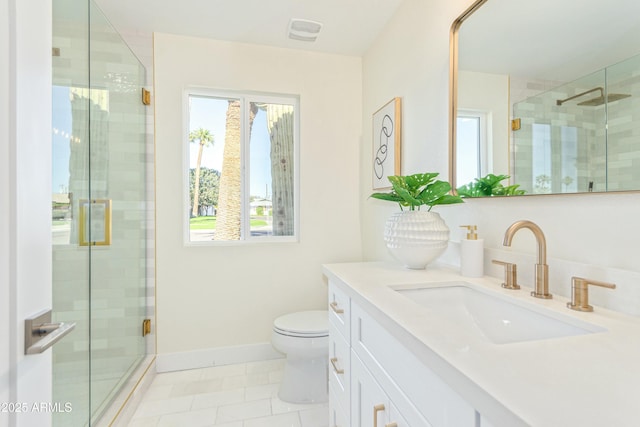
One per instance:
(334, 307)
(335, 367)
(377, 409)
(391, 425)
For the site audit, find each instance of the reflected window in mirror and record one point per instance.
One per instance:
(551, 164)
(542, 159)
(472, 145)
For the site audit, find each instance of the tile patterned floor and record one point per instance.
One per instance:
(242, 395)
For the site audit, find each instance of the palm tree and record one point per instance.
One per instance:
(205, 139)
(229, 196)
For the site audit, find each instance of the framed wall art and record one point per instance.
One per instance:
(387, 125)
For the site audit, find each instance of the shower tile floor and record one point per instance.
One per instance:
(242, 395)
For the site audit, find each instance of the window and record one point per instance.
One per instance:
(242, 167)
(541, 164)
(554, 158)
(471, 143)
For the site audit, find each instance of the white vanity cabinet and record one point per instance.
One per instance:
(418, 392)
(433, 363)
(373, 375)
(370, 405)
(339, 368)
(339, 357)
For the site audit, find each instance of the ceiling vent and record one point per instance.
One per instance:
(304, 30)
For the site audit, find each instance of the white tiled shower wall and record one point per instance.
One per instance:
(608, 157)
(110, 304)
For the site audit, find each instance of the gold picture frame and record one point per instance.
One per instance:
(387, 133)
(94, 222)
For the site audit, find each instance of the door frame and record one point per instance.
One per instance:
(25, 205)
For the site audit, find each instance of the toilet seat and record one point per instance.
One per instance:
(303, 324)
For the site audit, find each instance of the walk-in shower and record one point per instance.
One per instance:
(101, 203)
(580, 136)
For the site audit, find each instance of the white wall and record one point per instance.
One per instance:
(410, 59)
(221, 296)
(599, 232)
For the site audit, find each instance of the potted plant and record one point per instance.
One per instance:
(416, 237)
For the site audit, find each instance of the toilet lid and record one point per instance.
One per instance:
(304, 324)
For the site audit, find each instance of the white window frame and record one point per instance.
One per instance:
(245, 167)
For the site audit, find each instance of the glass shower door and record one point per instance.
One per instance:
(70, 183)
(99, 205)
(118, 269)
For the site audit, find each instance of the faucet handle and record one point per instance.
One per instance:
(580, 292)
(510, 274)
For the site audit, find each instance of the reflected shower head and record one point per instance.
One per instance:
(595, 101)
(601, 99)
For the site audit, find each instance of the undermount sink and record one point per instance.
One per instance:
(496, 317)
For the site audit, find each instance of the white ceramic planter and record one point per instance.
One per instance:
(415, 238)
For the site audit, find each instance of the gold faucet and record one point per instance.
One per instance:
(542, 269)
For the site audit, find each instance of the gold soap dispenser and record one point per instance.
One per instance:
(472, 253)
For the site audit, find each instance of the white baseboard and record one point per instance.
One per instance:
(215, 357)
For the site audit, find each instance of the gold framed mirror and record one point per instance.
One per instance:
(546, 93)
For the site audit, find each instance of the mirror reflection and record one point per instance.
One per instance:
(549, 100)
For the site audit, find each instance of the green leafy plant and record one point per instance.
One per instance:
(489, 185)
(414, 191)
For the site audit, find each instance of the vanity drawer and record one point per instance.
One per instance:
(373, 405)
(339, 366)
(340, 311)
(399, 371)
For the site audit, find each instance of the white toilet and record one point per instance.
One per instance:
(304, 338)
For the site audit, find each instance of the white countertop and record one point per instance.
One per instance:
(583, 380)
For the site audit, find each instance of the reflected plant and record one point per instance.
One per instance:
(414, 191)
(542, 185)
(489, 185)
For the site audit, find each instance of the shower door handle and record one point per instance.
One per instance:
(40, 333)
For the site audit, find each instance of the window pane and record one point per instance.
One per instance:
(569, 158)
(214, 168)
(271, 174)
(468, 149)
(541, 164)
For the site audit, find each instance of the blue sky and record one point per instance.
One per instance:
(60, 135)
